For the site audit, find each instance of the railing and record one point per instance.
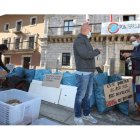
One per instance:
(53, 31)
(17, 30)
(25, 45)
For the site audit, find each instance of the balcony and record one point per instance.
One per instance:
(18, 30)
(22, 47)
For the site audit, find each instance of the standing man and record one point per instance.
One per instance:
(85, 66)
(135, 57)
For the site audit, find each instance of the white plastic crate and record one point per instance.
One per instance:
(49, 94)
(67, 97)
(23, 113)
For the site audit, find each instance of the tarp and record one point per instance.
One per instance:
(40, 73)
(69, 79)
(18, 71)
(29, 74)
(100, 80)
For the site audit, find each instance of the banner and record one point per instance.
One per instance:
(118, 92)
(127, 27)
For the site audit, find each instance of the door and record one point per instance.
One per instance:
(31, 42)
(26, 62)
(6, 60)
(17, 43)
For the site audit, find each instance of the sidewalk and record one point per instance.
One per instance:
(64, 116)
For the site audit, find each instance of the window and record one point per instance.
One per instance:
(33, 20)
(31, 42)
(6, 41)
(7, 60)
(6, 27)
(18, 25)
(65, 59)
(129, 18)
(68, 26)
(17, 43)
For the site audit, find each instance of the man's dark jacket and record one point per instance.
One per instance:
(84, 54)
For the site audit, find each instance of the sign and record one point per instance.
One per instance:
(118, 92)
(52, 80)
(128, 27)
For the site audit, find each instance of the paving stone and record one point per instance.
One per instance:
(55, 113)
(65, 116)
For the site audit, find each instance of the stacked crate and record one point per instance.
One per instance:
(22, 113)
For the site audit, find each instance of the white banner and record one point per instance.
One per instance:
(128, 27)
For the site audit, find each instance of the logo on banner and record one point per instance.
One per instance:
(113, 28)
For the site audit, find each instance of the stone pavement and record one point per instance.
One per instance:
(64, 116)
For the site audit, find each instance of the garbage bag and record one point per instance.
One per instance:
(100, 80)
(18, 71)
(29, 74)
(123, 107)
(114, 78)
(40, 73)
(69, 79)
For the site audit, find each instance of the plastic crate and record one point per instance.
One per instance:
(23, 113)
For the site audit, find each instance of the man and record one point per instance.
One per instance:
(135, 57)
(85, 66)
(135, 40)
(3, 48)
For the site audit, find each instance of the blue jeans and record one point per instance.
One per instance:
(84, 92)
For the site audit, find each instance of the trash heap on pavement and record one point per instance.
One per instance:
(21, 78)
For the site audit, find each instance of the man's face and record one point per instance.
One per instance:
(88, 29)
(88, 33)
(132, 39)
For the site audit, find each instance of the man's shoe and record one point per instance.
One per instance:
(135, 116)
(90, 119)
(78, 121)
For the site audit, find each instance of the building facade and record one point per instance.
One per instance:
(21, 33)
(61, 30)
(46, 41)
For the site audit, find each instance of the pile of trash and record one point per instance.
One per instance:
(21, 78)
(98, 98)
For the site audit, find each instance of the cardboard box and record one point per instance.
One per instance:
(117, 92)
(52, 80)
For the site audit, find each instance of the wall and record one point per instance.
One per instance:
(27, 30)
(57, 42)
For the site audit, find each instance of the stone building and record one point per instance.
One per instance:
(61, 30)
(46, 41)
(21, 33)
